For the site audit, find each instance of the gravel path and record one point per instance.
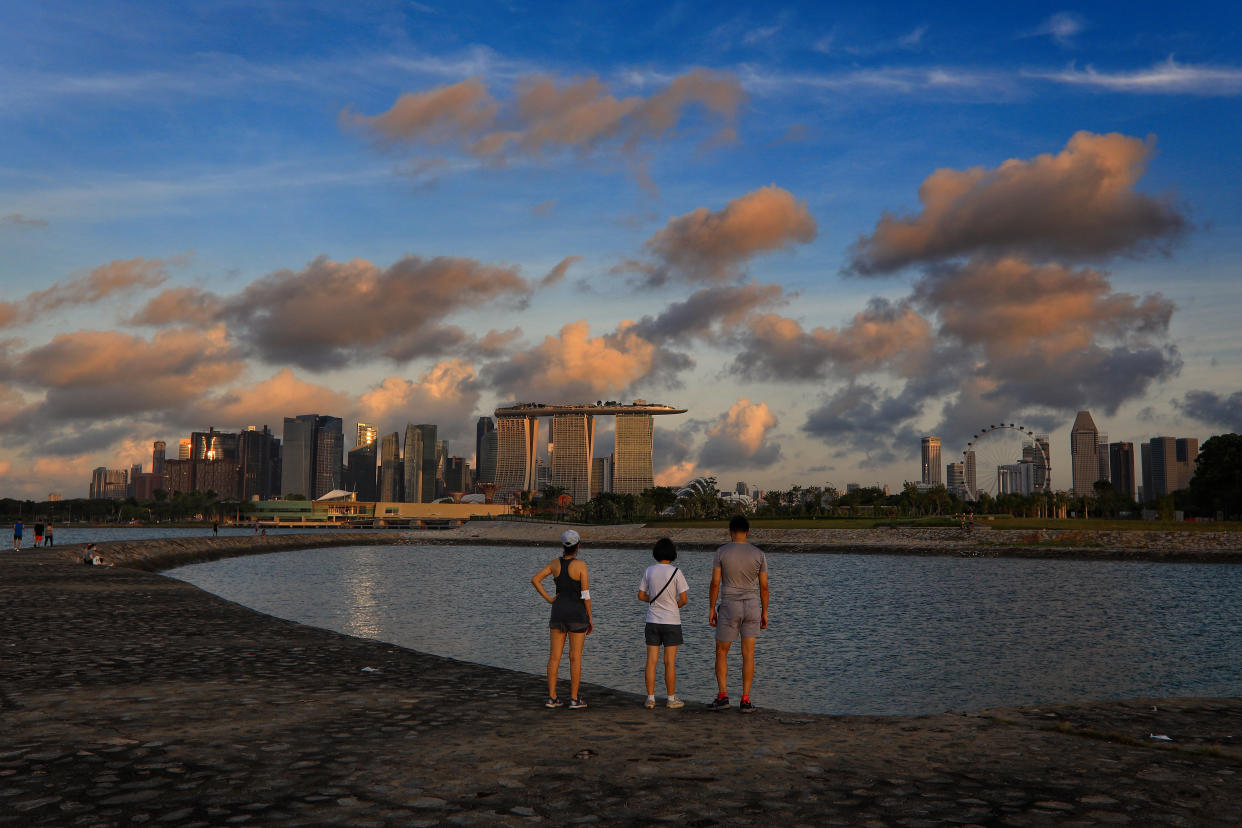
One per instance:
(129, 698)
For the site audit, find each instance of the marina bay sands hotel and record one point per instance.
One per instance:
(571, 445)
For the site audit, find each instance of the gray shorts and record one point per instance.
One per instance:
(738, 617)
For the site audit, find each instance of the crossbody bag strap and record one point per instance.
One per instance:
(666, 583)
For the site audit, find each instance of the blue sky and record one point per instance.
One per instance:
(169, 173)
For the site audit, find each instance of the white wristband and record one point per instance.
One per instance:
(586, 595)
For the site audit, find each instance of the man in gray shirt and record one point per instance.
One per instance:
(740, 582)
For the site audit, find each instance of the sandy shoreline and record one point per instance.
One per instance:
(127, 697)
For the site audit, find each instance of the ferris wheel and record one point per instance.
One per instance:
(1006, 457)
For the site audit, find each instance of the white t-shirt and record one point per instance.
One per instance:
(663, 610)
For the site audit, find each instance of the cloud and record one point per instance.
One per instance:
(573, 365)
(887, 335)
(267, 402)
(708, 312)
(330, 314)
(1078, 203)
(1167, 78)
(1213, 408)
(447, 394)
(1061, 27)
(556, 274)
(114, 278)
(714, 246)
(546, 118)
(913, 38)
(739, 438)
(18, 220)
(851, 418)
(544, 208)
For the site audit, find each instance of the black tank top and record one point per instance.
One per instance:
(567, 587)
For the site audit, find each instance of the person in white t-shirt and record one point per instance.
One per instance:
(665, 591)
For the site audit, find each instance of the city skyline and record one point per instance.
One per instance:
(835, 230)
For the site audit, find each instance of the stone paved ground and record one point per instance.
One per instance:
(127, 698)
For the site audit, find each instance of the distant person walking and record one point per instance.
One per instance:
(665, 591)
(740, 581)
(17, 535)
(48, 539)
(571, 616)
(215, 529)
(38, 535)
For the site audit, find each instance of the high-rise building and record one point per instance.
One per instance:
(1101, 453)
(487, 457)
(157, 457)
(183, 448)
(1084, 459)
(1148, 491)
(482, 428)
(430, 465)
(362, 472)
(329, 455)
(258, 457)
(391, 474)
(455, 475)
(312, 456)
(955, 477)
(572, 446)
(1016, 478)
(367, 435)
(442, 455)
(931, 461)
(517, 442)
(213, 445)
(601, 475)
(1187, 454)
(971, 474)
(413, 454)
(631, 471)
(1170, 463)
(109, 484)
(134, 470)
(1121, 468)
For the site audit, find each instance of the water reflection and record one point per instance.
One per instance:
(849, 634)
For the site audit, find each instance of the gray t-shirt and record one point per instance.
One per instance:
(739, 565)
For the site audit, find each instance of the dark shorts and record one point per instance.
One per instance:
(668, 635)
(568, 626)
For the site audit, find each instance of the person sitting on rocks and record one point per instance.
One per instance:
(91, 556)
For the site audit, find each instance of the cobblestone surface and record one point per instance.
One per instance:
(127, 698)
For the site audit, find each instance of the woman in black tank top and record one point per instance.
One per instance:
(571, 617)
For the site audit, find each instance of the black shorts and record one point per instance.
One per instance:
(668, 635)
(568, 626)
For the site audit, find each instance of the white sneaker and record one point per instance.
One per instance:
(674, 702)
(649, 703)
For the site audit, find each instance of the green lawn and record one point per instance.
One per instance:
(1092, 524)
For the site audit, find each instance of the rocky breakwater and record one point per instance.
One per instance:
(128, 698)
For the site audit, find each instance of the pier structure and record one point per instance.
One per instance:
(571, 445)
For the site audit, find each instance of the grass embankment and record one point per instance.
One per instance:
(1002, 523)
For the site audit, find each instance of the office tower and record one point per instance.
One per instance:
(179, 476)
(329, 455)
(413, 454)
(258, 457)
(213, 445)
(134, 470)
(1121, 468)
(955, 478)
(367, 435)
(571, 445)
(455, 475)
(109, 484)
(428, 435)
(183, 448)
(482, 428)
(390, 474)
(442, 454)
(1187, 453)
(487, 457)
(740, 488)
(157, 457)
(1101, 453)
(931, 461)
(631, 471)
(312, 456)
(1172, 465)
(1084, 462)
(363, 471)
(601, 475)
(1148, 492)
(1016, 478)
(517, 441)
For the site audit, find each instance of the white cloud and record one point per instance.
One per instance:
(1165, 78)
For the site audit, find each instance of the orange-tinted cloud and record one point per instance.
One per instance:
(180, 306)
(1079, 203)
(446, 394)
(714, 246)
(739, 438)
(269, 401)
(557, 273)
(435, 116)
(116, 277)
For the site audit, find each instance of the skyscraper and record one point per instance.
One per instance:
(1148, 492)
(413, 454)
(517, 441)
(931, 461)
(482, 428)
(631, 471)
(1101, 453)
(157, 457)
(1084, 459)
(391, 476)
(955, 475)
(183, 448)
(1121, 468)
(1172, 464)
(329, 455)
(259, 463)
(487, 457)
(312, 456)
(430, 466)
(363, 470)
(455, 473)
(367, 435)
(572, 446)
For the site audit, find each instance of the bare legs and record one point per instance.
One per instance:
(575, 661)
(748, 665)
(670, 669)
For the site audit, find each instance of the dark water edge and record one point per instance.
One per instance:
(875, 634)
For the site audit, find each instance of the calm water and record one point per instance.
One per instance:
(98, 534)
(848, 634)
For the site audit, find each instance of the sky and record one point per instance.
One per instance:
(825, 230)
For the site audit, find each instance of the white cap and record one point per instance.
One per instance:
(569, 538)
